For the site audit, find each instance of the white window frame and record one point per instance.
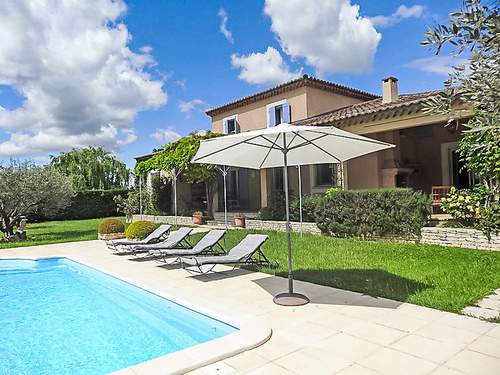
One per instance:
(224, 121)
(272, 105)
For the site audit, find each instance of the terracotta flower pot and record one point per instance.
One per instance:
(198, 219)
(239, 222)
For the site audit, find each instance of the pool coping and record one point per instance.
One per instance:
(251, 332)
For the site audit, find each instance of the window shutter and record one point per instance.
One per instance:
(271, 121)
(286, 112)
(236, 125)
(224, 124)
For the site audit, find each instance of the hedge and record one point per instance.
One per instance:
(140, 229)
(111, 225)
(90, 204)
(373, 213)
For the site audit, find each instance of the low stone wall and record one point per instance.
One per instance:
(280, 226)
(181, 220)
(460, 237)
(110, 236)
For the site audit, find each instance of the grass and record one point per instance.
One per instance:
(57, 232)
(434, 276)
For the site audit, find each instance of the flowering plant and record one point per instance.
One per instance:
(464, 205)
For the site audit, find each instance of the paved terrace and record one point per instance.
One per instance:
(340, 332)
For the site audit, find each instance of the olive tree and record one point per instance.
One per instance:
(27, 189)
(475, 32)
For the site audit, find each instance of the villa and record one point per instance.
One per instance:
(424, 156)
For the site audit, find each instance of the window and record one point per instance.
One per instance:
(326, 175)
(231, 125)
(278, 182)
(278, 113)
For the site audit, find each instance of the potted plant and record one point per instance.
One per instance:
(198, 218)
(111, 229)
(239, 220)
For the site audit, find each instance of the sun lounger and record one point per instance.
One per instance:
(242, 254)
(207, 244)
(155, 236)
(178, 238)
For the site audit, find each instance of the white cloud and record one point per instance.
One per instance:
(223, 25)
(403, 12)
(190, 106)
(329, 34)
(263, 68)
(181, 83)
(146, 49)
(81, 83)
(442, 65)
(166, 135)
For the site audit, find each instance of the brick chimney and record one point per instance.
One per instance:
(389, 89)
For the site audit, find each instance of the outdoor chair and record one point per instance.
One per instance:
(157, 235)
(246, 252)
(208, 244)
(178, 238)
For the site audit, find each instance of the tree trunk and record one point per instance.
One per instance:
(8, 223)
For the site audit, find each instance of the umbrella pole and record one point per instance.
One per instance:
(140, 194)
(288, 229)
(300, 201)
(288, 298)
(174, 179)
(224, 174)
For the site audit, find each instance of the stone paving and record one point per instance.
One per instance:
(339, 332)
(487, 308)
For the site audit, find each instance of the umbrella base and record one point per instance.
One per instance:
(291, 299)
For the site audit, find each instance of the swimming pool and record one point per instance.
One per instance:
(58, 316)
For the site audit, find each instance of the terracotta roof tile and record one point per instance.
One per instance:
(305, 80)
(366, 108)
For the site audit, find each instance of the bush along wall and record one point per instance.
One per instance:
(373, 213)
(91, 204)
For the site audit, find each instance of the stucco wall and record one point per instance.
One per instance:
(304, 102)
(253, 116)
(321, 101)
(421, 147)
(363, 172)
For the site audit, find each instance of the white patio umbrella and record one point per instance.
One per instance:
(283, 146)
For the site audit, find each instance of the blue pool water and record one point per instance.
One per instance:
(60, 317)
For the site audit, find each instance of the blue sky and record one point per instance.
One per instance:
(190, 59)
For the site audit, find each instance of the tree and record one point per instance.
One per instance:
(92, 169)
(26, 189)
(474, 30)
(175, 158)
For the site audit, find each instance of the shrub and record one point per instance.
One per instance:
(489, 219)
(128, 204)
(462, 205)
(90, 204)
(310, 204)
(373, 213)
(140, 229)
(110, 225)
(265, 213)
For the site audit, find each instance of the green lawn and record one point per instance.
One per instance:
(434, 276)
(57, 232)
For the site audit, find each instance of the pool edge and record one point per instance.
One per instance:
(251, 333)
